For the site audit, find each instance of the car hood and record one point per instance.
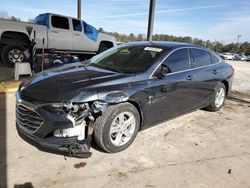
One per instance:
(75, 81)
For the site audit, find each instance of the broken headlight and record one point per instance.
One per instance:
(77, 114)
(80, 114)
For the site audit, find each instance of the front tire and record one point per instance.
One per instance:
(218, 98)
(12, 54)
(117, 128)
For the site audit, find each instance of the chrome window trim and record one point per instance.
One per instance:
(219, 58)
(185, 47)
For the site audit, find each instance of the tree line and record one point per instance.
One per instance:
(217, 46)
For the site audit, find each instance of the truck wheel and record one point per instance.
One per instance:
(102, 47)
(12, 54)
(116, 128)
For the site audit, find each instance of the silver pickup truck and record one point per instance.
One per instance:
(51, 31)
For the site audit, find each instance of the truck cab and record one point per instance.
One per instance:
(52, 31)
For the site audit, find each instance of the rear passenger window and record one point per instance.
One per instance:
(178, 60)
(200, 58)
(60, 22)
(77, 25)
(214, 58)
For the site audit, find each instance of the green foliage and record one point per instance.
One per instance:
(13, 18)
(101, 30)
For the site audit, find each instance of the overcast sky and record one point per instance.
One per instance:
(210, 19)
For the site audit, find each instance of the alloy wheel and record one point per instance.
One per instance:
(122, 128)
(220, 97)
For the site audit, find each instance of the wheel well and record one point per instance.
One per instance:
(107, 43)
(136, 105)
(11, 37)
(226, 85)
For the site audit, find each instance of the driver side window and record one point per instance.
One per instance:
(178, 60)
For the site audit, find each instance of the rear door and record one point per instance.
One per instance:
(203, 76)
(60, 35)
(80, 41)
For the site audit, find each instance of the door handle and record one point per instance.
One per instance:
(77, 34)
(54, 31)
(190, 77)
(215, 72)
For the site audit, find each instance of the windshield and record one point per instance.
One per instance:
(128, 59)
(42, 19)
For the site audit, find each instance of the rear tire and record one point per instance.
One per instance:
(117, 127)
(12, 54)
(218, 98)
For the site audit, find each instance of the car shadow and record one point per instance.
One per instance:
(25, 185)
(96, 147)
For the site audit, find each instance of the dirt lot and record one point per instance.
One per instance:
(242, 76)
(200, 149)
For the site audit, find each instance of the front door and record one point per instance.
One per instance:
(171, 94)
(168, 97)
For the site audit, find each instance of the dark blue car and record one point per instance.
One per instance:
(117, 93)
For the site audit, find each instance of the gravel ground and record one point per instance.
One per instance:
(200, 149)
(242, 76)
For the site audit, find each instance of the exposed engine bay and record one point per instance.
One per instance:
(82, 116)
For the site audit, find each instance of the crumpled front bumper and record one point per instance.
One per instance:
(36, 125)
(64, 146)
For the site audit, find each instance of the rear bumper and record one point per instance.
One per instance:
(64, 146)
(230, 83)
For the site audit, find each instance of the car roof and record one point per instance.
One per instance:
(162, 44)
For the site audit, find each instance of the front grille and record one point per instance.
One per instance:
(28, 119)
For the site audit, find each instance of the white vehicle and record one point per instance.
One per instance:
(248, 58)
(57, 32)
(240, 57)
(228, 56)
(243, 58)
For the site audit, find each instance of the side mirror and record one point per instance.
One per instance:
(162, 71)
(159, 75)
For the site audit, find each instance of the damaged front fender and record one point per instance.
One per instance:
(109, 97)
(114, 97)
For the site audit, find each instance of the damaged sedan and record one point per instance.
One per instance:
(117, 93)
